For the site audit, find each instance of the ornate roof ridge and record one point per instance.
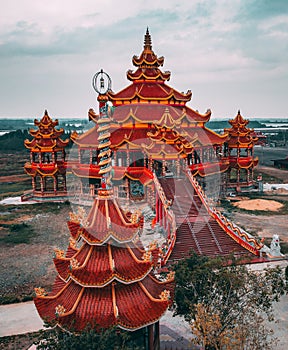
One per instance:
(46, 132)
(148, 61)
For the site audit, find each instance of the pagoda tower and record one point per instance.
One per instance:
(153, 131)
(106, 277)
(240, 151)
(47, 166)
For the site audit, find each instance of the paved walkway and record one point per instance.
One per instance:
(19, 319)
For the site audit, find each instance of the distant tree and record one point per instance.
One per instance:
(89, 339)
(227, 306)
(14, 140)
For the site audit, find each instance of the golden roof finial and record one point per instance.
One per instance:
(147, 41)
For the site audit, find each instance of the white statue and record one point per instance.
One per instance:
(275, 246)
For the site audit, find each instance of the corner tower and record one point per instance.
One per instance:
(47, 166)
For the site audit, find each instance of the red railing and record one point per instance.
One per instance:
(170, 242)
(236, 233)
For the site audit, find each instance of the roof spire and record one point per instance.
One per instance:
(147, 40)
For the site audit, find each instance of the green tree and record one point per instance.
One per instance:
(227, 306)
(106, 339)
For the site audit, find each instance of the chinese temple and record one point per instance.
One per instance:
(153, 130)
(47, 166)
(146, 147)
(240, 148)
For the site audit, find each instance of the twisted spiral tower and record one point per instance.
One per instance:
(104, 157)
(102, 84)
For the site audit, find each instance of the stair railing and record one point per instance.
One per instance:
(242, 237)
(168, 245)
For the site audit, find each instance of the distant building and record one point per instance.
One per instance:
(239, 150)
(47, 166)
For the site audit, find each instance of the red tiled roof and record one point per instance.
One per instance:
(128, 306)
(241, 141)
(105, 221)
(44, 169)
(96, 266)
(239, 134)
(203, 169)
(141, 174)
(46, 137)
(205, 136)
(245, 162)
(143, 90)
(101, 284)
(153, 113)
(148, 74)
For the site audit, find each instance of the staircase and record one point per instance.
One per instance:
(196, 229)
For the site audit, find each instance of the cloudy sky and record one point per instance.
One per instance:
(232, 54)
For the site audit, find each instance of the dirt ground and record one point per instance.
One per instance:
(25, 266)
(275, 172)
(258, 204)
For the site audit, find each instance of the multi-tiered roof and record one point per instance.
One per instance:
(109, 280)
(240, 136)
(47, 166)
(151, 116)
(46, 138)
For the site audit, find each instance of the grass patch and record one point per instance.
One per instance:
(18, 233)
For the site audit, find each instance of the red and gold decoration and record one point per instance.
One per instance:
(47, 166)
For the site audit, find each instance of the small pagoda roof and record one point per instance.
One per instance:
(244, 163)
(105, 221)
(239, 134)
(148, 81)
(108, 281)
(148, 63)
(45, 144)
(46, 138)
